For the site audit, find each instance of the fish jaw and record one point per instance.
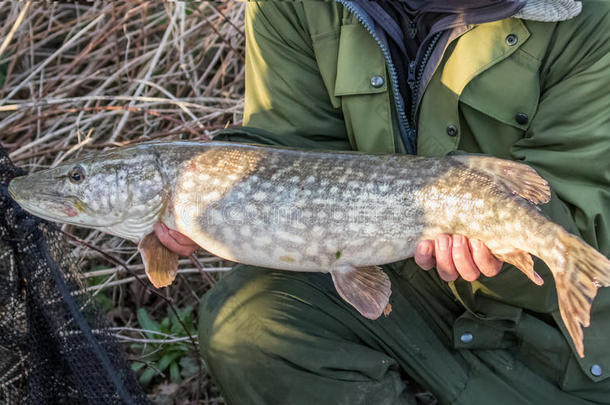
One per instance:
(35, 194)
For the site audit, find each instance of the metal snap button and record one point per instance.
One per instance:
(452, 130)
(522, 118)
(466, 338)
(596, 370)
(511, 39)
(377, 81)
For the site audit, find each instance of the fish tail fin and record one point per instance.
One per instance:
(579, 270)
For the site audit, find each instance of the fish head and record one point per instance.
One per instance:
(121, 192)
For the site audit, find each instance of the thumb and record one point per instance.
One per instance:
(174, 240)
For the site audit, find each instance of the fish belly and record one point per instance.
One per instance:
(305, 235)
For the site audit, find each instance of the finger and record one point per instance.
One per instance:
(424, 255)
(444, 262)
(462, 259)
(162, 233)
(181, 238)
(484, 259)
(165, 237)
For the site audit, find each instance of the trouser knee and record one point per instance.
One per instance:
(279, 337)
(242, 313)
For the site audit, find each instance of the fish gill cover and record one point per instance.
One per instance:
(55, 347)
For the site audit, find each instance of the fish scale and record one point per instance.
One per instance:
(339, 212)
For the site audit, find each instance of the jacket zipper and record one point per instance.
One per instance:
(403, 121)
(416, 81)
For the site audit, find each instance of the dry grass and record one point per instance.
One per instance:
(76, 77)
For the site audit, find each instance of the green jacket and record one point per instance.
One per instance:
(543, 99)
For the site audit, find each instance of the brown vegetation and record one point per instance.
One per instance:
(81, 76)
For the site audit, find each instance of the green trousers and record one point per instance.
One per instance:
(279, 337)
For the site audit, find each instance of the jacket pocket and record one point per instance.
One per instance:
(362, 87)
(360, 64)
(487, 324)
(508, 92)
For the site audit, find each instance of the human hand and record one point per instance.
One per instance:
(174, 240)
(456, 255)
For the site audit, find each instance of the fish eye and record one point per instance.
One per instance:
(76, 174)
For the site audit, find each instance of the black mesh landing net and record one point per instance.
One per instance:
(55, 347)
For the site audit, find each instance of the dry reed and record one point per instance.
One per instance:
(76, 77)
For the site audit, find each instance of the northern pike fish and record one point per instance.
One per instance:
(317, 211)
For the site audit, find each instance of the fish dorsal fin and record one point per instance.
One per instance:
(367, 289)
(160, 263)
(518, 178)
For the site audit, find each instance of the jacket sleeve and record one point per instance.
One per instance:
(285, 94)
(568, 141)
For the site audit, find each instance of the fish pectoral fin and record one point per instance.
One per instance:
(523, 261)
(517, 178)
(367, 289)
(160, 263)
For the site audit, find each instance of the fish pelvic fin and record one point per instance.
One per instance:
(517, 178)
(579, 270)
(367, 289)
(523, 261)
(160, 263)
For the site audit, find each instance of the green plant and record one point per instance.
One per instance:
(163, 350)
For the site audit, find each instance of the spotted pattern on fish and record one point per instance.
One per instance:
(343, 213)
